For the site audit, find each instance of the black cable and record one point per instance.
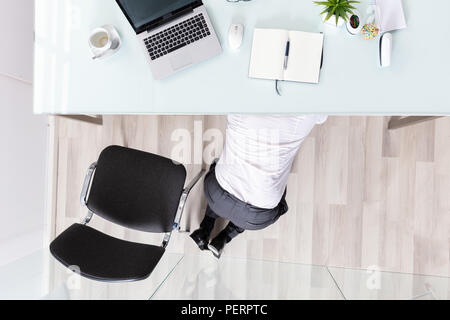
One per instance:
(276, 88)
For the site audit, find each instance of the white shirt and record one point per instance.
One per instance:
(258, 155)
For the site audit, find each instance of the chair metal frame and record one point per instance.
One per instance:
(183, 199)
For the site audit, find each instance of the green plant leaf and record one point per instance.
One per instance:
(334, 10)
(329, 15)
(338, 8)
(326, 10)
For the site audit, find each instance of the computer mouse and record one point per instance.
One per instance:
(385, 50)
(235, 36)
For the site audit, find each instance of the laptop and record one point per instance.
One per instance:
(174, 34)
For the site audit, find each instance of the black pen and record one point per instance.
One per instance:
(286, 55)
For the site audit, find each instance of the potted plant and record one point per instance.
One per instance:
(338, 9)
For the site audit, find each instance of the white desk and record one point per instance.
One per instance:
(68, 81)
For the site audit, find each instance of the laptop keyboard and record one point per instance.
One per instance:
(176, 37)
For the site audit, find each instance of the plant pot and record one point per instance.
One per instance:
(332, 21)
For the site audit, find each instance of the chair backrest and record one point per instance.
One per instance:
(136, 189)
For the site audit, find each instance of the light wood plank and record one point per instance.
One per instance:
(359, 195)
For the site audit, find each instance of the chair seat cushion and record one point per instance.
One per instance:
(102, 257)
(136, 189)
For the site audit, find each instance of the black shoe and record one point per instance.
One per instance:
(201, 238)
(217, 244)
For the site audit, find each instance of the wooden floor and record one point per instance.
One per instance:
(359, 195)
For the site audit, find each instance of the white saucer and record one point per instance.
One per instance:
(116, 43)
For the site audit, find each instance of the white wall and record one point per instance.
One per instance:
(23, 143)
(23, 138)
(17, 34)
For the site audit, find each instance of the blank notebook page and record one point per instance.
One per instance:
(268, 53)
(305, 57)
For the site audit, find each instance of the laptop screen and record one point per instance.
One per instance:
(142, 12)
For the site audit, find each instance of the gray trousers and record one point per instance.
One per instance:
(242, 216)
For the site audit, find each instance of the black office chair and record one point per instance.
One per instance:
(134, 189)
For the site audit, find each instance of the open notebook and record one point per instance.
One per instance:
(268, 51)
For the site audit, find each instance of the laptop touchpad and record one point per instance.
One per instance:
(180, 60)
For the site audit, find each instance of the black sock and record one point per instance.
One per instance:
(207, 224)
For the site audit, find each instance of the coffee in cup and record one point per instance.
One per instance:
(104, 40)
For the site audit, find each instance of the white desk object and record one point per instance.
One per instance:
(67, 81)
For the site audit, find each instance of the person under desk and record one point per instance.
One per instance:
(247, 185)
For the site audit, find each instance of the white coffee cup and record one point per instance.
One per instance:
(103, 40)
